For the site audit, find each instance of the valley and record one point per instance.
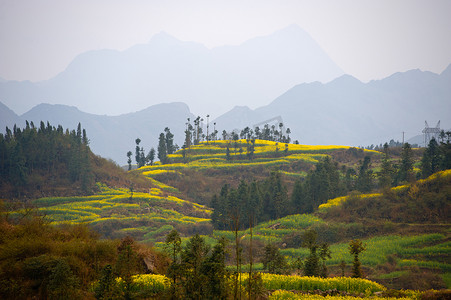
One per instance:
(196, 193)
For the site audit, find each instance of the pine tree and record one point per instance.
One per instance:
(193, 257)
(273, 260)
(324, 254)
(298, 199)
(151, 156)
(162, 150)
(387, 171)
(138, 152)
(431, 161)
(405, 172)
(169, 138)
(129, 160)
(173, 248)
(215, 273)
(311, 264)
(365, 178)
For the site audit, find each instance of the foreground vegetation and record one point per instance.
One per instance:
(239, 207)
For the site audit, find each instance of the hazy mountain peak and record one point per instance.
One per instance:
(447, 71)
(291, 30)
(45, 107)
(163, 37)
(242, 108)
(345, 80)
(167, 69)
(7, 117)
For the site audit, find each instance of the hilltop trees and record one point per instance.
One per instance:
(43, 151)
(269, 133)
(139, 154)
(320, 185)
(162, 149)
(129, 160)
(364, 182)
(431, 161)
(405, 172)
(387, 170)
(151, 156)
(165, 146)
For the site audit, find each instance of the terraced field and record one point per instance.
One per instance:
(149, 215)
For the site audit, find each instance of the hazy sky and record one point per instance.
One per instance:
(369, 39)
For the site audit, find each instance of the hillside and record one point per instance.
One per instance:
(405, 229)
(51, 161)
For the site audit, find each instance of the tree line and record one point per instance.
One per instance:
(199, 271)
(260, 201)
(166, 146)
(194, 135)
(44, 151)
(269, 199)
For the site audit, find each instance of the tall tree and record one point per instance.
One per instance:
(387, 171)
(127, 264)
(173, 248)
(169, 137)
(324, 254)
(129, 160)
(405, 172)
(311, 264)
(162, 150)
(193, 257)
(138, 152)
(365, 178)
(151, 156)
(298, 199)
(431, 161)
(216, 274)
(355, 248)
(273, 260)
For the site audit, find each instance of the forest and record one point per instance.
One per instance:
(249, 216)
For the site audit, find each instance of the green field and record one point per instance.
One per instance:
(149, 216)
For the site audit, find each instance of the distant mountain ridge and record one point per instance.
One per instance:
(344, 111)
(110, 137)
(167, 70)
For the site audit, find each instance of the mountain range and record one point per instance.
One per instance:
(346, 111)
(343, 111)
(119, 96)
(210, 81)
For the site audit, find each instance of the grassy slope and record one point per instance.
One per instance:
(196, 177)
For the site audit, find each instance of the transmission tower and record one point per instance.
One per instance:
(430, 132)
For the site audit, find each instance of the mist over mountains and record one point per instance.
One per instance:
(344, 111)
(167, 69)
(165, 82)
